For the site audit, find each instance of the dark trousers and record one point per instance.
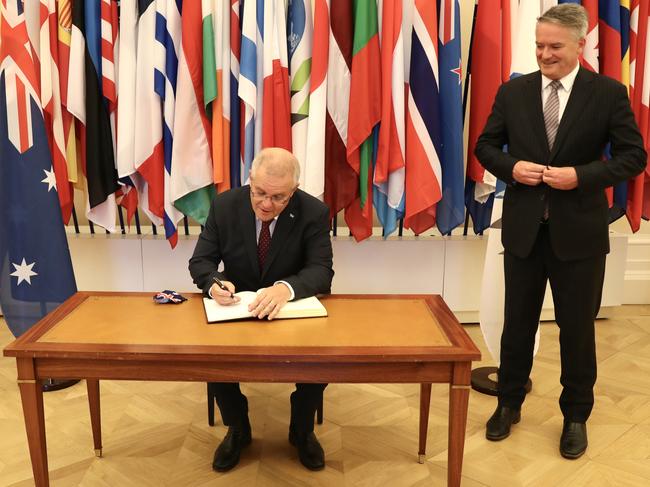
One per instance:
(577, 289)
(304, 402)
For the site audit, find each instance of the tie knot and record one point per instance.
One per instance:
(556, 85)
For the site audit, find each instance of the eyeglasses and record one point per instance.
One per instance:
(276, 199)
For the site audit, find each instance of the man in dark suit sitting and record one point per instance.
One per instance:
(556, 123)
(273, 237)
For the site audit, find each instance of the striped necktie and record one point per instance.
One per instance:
(552, 113)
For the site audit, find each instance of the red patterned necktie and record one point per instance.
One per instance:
(264, 243)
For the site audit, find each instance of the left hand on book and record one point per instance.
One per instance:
(270, 301)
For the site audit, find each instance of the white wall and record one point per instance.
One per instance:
(450, 266)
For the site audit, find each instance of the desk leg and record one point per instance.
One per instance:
(425, 401)
(95, 415)
(458, 401)
(31, 395)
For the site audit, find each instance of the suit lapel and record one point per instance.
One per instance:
(283, 228)
(247, 220)
(533, 100)
(580, 94)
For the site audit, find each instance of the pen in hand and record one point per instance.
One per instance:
(222, 286)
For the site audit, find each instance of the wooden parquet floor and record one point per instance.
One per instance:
(156, 434)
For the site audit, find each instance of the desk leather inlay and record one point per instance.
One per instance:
(134, 320)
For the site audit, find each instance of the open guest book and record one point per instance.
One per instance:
(300, 308)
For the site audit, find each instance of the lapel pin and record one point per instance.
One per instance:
(291, 215)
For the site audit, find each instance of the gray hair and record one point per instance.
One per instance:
(570, 15)
(277, 162)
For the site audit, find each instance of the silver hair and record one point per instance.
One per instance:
(281, 161)
(570, 15)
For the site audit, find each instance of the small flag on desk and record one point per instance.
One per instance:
(35, 266)
(168, 296)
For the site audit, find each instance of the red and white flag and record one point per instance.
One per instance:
(276, 113)
(341, 182)
(638, 196)
(51, 103)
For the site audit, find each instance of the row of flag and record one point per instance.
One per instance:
(503, 46)
(158, 104)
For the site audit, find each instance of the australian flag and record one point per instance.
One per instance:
(451, 208)
(35, 266)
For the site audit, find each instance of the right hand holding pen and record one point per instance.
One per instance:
(222, 296)
(526, 172)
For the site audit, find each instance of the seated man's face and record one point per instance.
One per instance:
(270, 194)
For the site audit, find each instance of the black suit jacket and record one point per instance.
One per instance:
(598, 111)
(300, 252)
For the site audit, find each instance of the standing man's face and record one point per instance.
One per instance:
(558, 51)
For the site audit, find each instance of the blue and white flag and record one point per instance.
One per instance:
(167, 49)
(450, 211)
(251, 81)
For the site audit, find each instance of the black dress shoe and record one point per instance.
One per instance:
(498, 426)
(310, 452)
(573, 442)
(227, 454)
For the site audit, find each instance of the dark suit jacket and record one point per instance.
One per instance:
(300, 253)
(597, 112)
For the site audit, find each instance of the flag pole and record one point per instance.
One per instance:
(466, 93)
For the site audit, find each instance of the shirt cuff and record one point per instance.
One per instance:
(293, 295)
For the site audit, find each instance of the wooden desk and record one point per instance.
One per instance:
(365, 339)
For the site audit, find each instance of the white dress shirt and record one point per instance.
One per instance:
(563, 92)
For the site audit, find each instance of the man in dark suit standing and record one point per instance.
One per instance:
(273, 237)
(556, 124)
